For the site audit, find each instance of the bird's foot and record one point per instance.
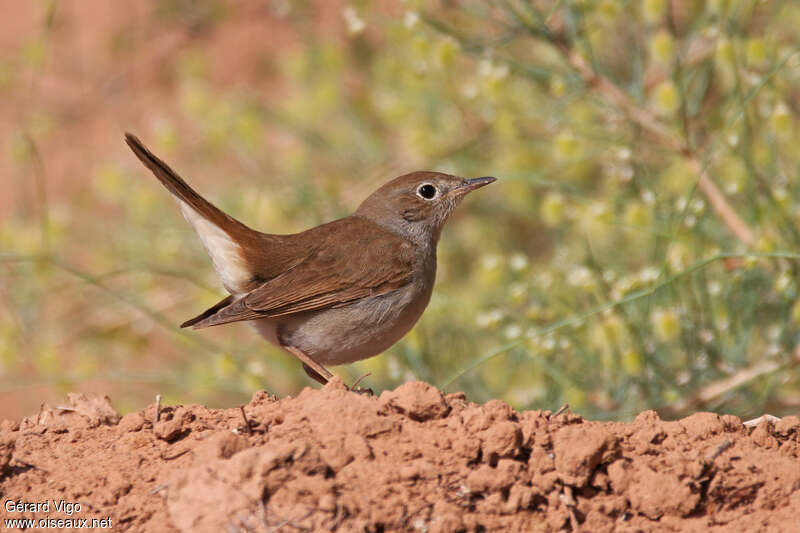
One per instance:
(358, 390)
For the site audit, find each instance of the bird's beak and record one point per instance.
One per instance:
(474, 183)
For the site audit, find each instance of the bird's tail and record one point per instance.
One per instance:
(220, 233)
(179, 188)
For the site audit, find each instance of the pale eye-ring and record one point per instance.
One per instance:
(426, 191)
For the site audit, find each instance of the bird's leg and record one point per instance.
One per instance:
(321, 374)
(312, 368)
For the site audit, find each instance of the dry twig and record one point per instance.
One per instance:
(560, 410)
(718, 388)
(756, 421)
(157, 415)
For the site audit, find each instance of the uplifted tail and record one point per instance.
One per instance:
(179, 188)
(219, 232)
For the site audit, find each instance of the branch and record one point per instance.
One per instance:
(652, 125)
(714, 390)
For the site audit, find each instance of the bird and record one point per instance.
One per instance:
(337, 293)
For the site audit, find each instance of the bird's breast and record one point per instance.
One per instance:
(352, 332)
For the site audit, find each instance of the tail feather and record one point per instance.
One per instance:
(179, 188)
(221, 234)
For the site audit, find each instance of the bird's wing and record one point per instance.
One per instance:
(338, 271)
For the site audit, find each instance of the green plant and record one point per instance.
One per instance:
(639, 251)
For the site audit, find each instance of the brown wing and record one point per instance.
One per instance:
(356, 260)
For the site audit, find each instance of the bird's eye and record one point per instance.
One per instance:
(426, 191)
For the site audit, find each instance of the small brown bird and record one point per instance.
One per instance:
(334, 294)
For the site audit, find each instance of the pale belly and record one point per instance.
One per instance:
(346, 334)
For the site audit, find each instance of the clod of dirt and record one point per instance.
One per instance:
(579, 450)
(7, 443)
(173, 424)
(82, 411)
(417, 400)
(410, 459)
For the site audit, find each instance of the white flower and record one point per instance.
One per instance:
(513, 332)
(355, 24)
(648, 275)
(489, 318)
(256, 367)
(579, 276)
(706, 336)
(782, 282)
(469, 91)
(411, 18)
(490, 262)
(488, 69)
(518, 262)
(518, 291)
(549, 342)
(732, 187)
(697, 205)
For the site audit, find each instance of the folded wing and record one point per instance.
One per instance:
(335, 273)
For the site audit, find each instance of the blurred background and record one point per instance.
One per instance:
(639, 251)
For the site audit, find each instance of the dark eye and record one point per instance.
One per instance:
(426, 191)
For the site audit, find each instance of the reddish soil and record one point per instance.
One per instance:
(411, 459)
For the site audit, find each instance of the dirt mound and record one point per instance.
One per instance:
(411, 459)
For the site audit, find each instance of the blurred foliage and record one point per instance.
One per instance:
(598, 271)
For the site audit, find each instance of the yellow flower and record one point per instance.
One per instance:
(632, 362)
(553, 209)
(609, 9)
(666, 97)
(666, 324)
(653, 10)
(557, 86)
(575, 397)
(446, 50)
(225, 366)
(109, 182)
(678, 256)
(638, 214)
(614, 329)
(567, 146)
(733, 174)
(756, 52)
(662, 47)
(717, 6)
(782, 121)
(725, 52)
